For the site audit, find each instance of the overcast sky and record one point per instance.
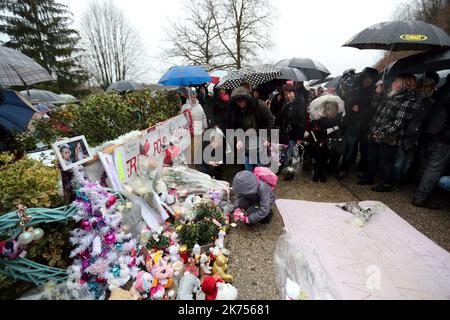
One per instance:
(315, 29)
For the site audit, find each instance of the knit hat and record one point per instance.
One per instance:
(245, 183)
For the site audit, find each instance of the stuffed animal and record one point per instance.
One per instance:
(174, 253)
(209, 286)
(189, 286)
(192, 268)
(226, 291)
(220, 240)
(121, 294)
(196, 250)
(10, 249)
(204, 264)
(144, 283)
(220, 267)
(157, 292)
(168, 199)
(163, 272)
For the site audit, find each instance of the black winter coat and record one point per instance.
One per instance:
(292, 121)
(218, 113)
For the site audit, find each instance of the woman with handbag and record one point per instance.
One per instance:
(326, 138)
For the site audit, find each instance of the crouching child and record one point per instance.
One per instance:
(255, 197)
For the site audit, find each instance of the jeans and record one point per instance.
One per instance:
(444, 183)
(288, 154)
(402, 163)
(437, 163)
(381, 158)
(352, 137)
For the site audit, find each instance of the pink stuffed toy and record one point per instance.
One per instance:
(192, 268)
(163, 273)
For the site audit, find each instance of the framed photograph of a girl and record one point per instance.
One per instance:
(72, 152)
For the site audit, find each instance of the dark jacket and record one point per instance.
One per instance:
(414, 127)
(276, 105)
(356, 94)
(218, 112)
(292, 121)
(256, 114)
(439, 122)
(304, 95)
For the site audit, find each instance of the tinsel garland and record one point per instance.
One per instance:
(105, 257)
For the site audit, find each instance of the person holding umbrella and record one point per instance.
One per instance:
(388, 129)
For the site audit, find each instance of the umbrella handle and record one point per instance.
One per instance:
(387, 63)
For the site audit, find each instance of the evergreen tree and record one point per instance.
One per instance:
(40, 29)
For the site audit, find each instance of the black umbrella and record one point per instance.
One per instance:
(320, 81)
(122, 86)
(333, 83)
(421, 63)
(400, 35)
(312, 69)
(293, 74)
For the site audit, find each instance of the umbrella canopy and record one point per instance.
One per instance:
(17, 69)
(42, 96)
(16, 112)
(67, 98)
(333, 83)
(292, 74)
(312, 69)
(185, 76)
(253, 75)
(122, 86)
(320, 81)
(421, 63)
(400, 35)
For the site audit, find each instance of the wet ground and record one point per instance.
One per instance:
(252, 247)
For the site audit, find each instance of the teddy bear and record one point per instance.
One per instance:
(189, 285)
(226, 291)
(220, 267)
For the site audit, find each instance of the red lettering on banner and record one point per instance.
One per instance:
(131, 164)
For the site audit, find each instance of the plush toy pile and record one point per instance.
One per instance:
(183, 259)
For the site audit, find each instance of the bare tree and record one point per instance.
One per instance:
(195, 39)
(112, 47)
(243, 28)
(221, 33)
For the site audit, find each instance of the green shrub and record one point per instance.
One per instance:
(28, 182)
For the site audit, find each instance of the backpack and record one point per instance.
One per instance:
(266, 175)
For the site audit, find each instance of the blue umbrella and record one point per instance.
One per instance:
(185, 76)
(15, 111)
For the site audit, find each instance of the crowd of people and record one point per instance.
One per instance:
(399, 133)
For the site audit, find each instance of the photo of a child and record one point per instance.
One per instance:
(72, 152)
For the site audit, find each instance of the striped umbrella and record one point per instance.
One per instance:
(253, 75)
(17, 69)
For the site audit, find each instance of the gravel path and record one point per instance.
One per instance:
(252, 247)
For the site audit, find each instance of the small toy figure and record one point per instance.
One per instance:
(220, 240)
(204, 264)
(174, 253)
(220, 267)
(192, 268)
(197, 252)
